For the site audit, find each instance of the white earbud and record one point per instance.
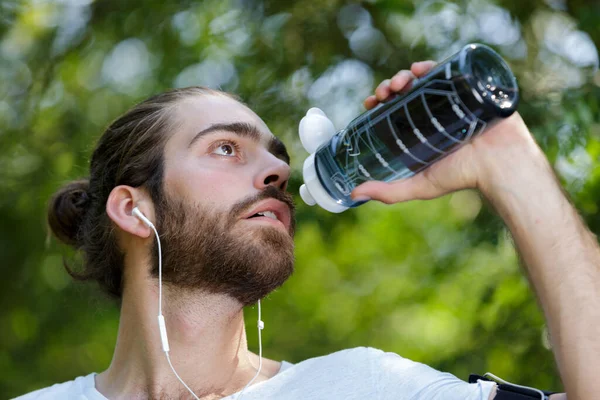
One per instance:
(136, 211)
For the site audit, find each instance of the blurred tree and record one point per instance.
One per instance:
(435, 281)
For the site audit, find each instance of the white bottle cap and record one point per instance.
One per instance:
(315, 129)
(305, 194)
(313, 192)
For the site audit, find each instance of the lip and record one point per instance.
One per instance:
(280, 209)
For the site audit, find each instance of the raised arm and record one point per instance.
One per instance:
(562, 259)
(561, 256)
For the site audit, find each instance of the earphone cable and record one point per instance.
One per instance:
(159, 271)
(162, 323)
(260, 326)
(160, 316)
(178, 377)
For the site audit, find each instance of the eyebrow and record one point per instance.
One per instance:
(244, 129)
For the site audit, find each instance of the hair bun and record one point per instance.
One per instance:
(67, 209)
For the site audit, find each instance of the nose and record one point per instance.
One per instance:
(274, 172)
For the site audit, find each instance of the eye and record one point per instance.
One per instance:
(227, 149)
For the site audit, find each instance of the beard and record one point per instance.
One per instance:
(206, 250)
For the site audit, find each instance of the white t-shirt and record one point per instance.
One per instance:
(359, 373)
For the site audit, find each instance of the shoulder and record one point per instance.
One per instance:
(368, 357)
(392, 375)
(396, 374)
(358, 361)
(67, 390)
(354, 357)
(355, 353)
(346, 374)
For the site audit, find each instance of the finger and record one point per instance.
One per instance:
(383, 90)
(401, 80)
(422, 67)
(558, 396)
(414, 188)
(370, 102)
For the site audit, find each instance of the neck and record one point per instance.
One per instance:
(207, 343)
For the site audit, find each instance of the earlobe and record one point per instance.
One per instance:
(119, 207)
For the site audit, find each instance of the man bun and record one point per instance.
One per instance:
(67, 209)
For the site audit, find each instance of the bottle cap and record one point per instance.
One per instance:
(315, 129)
(305, 194)
(313, 192)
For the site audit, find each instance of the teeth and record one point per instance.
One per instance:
(269, 214)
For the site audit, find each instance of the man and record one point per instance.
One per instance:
(210, 176)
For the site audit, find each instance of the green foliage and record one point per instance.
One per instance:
(436, 281)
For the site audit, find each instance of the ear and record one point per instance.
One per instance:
(120, 204)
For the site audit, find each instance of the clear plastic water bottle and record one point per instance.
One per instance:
(453, 103)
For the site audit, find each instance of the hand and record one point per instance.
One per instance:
(489, 160)
(558, 396)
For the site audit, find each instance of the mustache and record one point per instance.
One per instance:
(270, 192)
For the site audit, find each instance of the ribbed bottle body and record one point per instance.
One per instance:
(444, 110)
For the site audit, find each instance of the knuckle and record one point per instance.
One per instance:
(402, 78)
(383, 84)
(387, 200)
(403, 74)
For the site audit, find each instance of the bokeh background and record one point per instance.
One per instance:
(436, 281)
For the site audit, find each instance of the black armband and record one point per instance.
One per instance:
(510, 391)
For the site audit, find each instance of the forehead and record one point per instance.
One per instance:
(197, 113)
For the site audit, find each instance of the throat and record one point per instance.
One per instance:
(207, 340)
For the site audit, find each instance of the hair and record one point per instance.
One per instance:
(129, 152)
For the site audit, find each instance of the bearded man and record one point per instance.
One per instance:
(210, 176)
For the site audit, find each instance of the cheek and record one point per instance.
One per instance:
(219, 187)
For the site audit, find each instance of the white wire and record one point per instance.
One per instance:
(159, 271)
(160, 309)
(500, 380)
(260, 328)
(160, 315)
(180, 380)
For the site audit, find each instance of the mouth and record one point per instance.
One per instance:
(270, 211)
